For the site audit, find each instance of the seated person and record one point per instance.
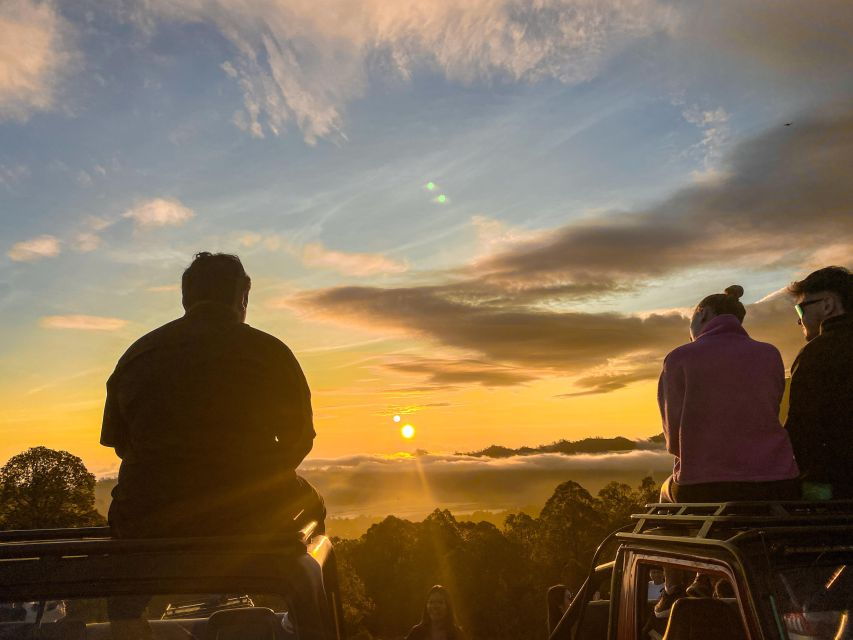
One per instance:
(210, 418)
(719, 399)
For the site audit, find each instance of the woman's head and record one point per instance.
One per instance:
(717, 304)
(438, 609)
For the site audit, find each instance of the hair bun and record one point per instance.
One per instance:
(735, 291)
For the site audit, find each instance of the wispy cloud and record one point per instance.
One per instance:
(35, 52)
(349, 263)
(44, 246)
(445, 373)
(83, 323)
(302, 62)
(159, 212)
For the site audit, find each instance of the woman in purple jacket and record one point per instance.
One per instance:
(719, 398)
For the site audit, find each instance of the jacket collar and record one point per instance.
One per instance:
(838, 323)
(212, 311)
(722, 324)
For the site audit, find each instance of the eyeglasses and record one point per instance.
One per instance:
(799, 307)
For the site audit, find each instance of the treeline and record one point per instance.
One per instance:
(567, 447)
(497, 576)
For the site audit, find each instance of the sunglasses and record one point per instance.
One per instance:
(799, 307)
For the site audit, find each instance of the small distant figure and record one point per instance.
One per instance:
(788, 124)
(210, 418)
(438, 621)
(821, 404)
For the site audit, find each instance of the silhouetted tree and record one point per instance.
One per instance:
(42, 488)
(497, 577)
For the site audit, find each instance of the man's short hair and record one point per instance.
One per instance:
(838, 280)
(214, 277)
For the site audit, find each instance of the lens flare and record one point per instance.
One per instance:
(396, 418)
(441, 199)
(408, 431)
(430, 186)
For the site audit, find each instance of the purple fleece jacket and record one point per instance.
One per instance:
(719, 399)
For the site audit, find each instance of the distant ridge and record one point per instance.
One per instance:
(571, 447)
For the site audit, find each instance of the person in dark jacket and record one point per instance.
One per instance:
(210, 418)
(820, 417)
(438, 621)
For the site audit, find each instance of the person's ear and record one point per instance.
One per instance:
(832, 305)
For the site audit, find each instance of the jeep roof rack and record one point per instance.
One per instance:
(725, 520)
(87, 562)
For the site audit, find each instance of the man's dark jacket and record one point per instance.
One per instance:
(820, 418)
(210, 418)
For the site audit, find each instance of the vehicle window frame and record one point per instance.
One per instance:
(629, 616)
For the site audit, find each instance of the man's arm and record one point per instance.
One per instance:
(296, 432)
(804, 410)
(671, 402)
(113, 427)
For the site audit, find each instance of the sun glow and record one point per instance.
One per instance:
(408, 431)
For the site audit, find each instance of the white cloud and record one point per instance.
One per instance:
(34, 53)
(351, 264)
(301, 61)
(159, 212)
(82, 323)
(86, 242)
(44, 246)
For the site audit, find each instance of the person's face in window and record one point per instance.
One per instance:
(437, 607)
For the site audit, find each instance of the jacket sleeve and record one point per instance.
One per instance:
(113, 427)
(671, 402)
(295, 433)
(804, 410)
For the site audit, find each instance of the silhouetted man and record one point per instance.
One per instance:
(210, 418)
(820, 417)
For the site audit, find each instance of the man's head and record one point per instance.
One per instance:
(715, 305)
(823, 294)
(219, 278)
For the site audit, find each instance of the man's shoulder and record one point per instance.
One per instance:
(822, 351)
(150, 340)
(264, 342)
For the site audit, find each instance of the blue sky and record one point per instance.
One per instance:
(303, 136)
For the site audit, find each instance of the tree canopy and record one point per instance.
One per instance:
(43, 489)
(497, 577)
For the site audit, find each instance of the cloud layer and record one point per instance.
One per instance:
(414, 485)
(783, 201)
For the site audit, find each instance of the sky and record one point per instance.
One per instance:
(488, 217)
